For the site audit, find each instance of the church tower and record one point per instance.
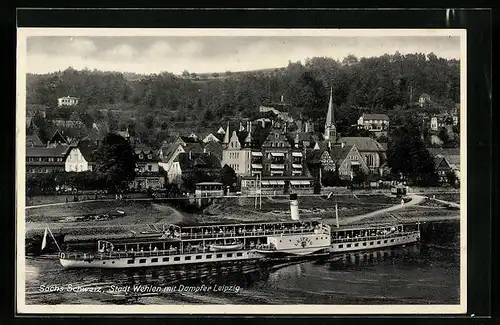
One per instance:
(330, 129)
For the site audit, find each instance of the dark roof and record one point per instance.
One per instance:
(314, 156)
(33, 141)
(271, 137)
(58, 137)
(188, 139)
(196, 159)
(142, 148)
(444, 151)
(375, 117)
(438, 160)
(56, 151)
(362, 143)
(193, 146)
(215, 148)
(339, 153)
(87, 149)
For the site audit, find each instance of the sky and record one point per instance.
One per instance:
(202, 54)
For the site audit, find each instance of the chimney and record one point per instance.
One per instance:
(307, 127)
(282, 98)
(329, 145)
(342, 144)
(189, 154)
(294, 207)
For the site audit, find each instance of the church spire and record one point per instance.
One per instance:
(226, 136)
(330, 119)
(330, 130)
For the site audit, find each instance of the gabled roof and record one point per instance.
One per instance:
(438, 160)
(55, 151)
(375, 117)
(339, 153)
(362, 143)
(58, 137)
(271, 137)
(187, 139)
(200, 160)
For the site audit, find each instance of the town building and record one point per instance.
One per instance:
(57, 139)
(169, 151)
(281, 110)
(67, 101)
(452, 156)
(205, 192)
(424, 99)
(373, 153)
(148, 174)
(276, 185)
(189, 163)
(46, 159)
(376, 123)
(348, 160)
(237, 153)
(80, 158)
(319, 162)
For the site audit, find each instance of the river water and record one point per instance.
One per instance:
(423, 273)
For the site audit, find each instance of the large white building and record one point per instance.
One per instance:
(67, 101)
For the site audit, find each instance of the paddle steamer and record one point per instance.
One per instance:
(207, 244)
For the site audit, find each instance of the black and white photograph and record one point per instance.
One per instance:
(250, 171)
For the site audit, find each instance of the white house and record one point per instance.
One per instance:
(76, 161)
(374, 122)
(67, 101)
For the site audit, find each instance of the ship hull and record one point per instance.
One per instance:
(359, 245)
(294, 251)
(153, 261)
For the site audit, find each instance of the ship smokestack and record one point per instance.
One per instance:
(294, 207)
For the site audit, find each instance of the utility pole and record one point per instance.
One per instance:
(255, 204)
(260, 193)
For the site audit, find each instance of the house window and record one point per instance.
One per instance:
(150, 167)
(150, 156)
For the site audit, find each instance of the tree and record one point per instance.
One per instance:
(228, 177)
(115, 161)
(452, 178)
(359, 177)
(407, 155)
(443, 135)
(330, 178)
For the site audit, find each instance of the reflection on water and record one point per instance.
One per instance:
(425, 273)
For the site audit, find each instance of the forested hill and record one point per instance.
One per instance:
(379, 84)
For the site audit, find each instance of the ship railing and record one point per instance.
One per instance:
(363, 238)
(252, 233)
(114, 254)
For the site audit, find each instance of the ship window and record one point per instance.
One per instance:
(341, 246)
(154, 260)
(316, 238)
(229, 254)
(378, 241)
(130, 262)
(371, 243)
(364, 244)
(348, 245)
(142, 260)
(177, 258)
(198, 257)
(392, 240)
(209, 256)
(113, 262)
(166, 259)
(218, 255)
(385, 241)
(356, 245)
(103, 262)
(239, 254)
(187, 258)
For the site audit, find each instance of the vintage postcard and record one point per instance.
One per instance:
(241, 171)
